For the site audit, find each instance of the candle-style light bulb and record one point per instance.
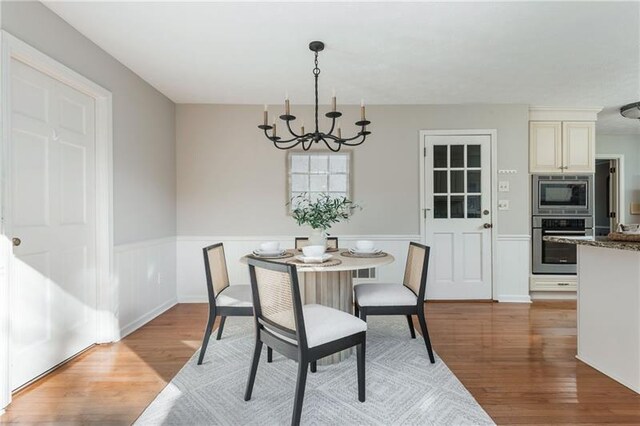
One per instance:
(362, 110)
(266, 115)
(333, 100)
(286, 103)
(274, 128)
(339, 130)
(302, 128)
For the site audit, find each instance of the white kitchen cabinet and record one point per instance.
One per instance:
(562, 147)
(578, 146)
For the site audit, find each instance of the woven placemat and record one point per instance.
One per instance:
(619, 236)
(330, 262)
(363, 255)
(280, 256)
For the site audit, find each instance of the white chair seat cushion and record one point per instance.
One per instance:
(235, 296)
(324, 324)
(384, 295)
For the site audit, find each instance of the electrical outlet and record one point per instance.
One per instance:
(503, 204)
(503, 186)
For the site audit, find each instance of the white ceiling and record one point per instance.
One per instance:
(546, 54)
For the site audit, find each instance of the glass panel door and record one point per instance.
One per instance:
(457, 181)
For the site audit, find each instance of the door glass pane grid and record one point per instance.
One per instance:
(457, 181)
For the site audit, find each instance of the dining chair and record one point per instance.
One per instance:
(400, 299)
(224, 299)
(332, 242)
(301, 333)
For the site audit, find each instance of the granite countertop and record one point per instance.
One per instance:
(596, 242)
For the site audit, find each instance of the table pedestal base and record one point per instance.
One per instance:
(333, 289)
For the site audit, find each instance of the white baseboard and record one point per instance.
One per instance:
(139, 322)
(553, 295)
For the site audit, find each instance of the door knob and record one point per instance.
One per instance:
(487, 226)
(16, 241)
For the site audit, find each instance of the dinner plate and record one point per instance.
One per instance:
(314, 259)
(356, 251)
(259, 252)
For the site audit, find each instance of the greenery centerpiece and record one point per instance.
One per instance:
(321, 213)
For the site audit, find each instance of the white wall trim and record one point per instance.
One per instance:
(553, 295)
(514, 237)
(129, 328)
(142, 244)
(389, 237)
(513, 265)
(13, 48)
(547, 113)
(493, 135)
(622, 211)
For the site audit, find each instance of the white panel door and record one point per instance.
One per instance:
(53, 287)
(458, 219)
(579, 147)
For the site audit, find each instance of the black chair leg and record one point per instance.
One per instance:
(425, 335)
(356, 310)
(411, 329)
(220, 327)
(207, 334)
(361, 368)
(303, 366)
(253, 371)
(363, 315)
(314, 366)
(269, 354)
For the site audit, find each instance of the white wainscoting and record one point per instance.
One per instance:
(512, 268)
(191, 276)
(145, 276)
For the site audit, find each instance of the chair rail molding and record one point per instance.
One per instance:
(191, 282)
(512, 268)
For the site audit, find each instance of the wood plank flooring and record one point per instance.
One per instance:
(517, 360)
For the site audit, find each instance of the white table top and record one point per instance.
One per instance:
(348, 263)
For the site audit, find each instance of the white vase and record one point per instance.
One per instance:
(318, 237)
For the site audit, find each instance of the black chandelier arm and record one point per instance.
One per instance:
(346, 142)
(278, 144)
(329, 145)
(292, 132)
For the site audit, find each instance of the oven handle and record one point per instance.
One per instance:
(564, 232)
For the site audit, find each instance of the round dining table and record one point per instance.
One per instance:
(331, 286)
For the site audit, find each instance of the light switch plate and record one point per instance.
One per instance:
(503, 186)
(503, 204)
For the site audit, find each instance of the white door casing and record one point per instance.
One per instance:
(458, 204)
(52, 212)
(12, 49)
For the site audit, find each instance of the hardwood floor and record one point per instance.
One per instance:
(517, 360)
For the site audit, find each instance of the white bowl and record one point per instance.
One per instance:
(270, 246)
(314, 251)
(365, 245)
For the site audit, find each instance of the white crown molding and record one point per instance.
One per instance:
(546, 113)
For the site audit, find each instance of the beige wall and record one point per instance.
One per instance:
(144, 189)
(231, 180)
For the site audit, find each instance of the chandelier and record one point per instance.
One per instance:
(631, 110)
(306, 139)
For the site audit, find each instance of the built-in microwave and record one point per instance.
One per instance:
(562, 195)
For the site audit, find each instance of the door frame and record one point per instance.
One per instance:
(619, 159)
(493, 136)
(106, 320)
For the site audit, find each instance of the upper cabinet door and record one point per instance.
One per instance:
(579, 146)
(545, 147)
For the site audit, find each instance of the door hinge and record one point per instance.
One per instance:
(612, 215)
(424, 213)
(424, 151)
(612, 170)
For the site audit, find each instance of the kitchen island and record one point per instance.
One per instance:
(608, 306)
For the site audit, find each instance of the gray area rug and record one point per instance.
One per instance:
(402, 386)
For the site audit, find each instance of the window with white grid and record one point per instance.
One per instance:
(314, 174)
